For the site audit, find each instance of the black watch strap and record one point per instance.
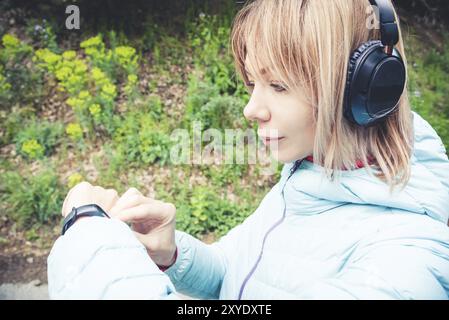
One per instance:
(88, 210)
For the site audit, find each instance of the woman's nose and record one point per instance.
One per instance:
(256, 110)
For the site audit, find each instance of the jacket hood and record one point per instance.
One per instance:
(427, 191)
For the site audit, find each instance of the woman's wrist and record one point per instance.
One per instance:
(172, 262)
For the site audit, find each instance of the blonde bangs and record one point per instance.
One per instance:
(259, 35)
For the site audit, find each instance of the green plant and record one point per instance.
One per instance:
(111, 166)
(205, 104)
(74, 179)
(428, 85)
(38, 139)
(223, 175)
(5, 87)
(204, 209)
(74, 131)
(142, 139)
(209, 39)
(11, 122)
(20, 81)
(42, 34)
(32, 198)
(97, 54)
(92, 85)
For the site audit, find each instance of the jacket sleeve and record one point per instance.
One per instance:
(393, 269)
(200, 268)
(100, 258)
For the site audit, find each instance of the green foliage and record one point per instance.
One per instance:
(228, 174)
(20, 82)
(204, 209)
(205, 104)
(31, 198)
(209, 38)
(429, 85)
(38, 139)
(11, 122)
(74, 131)
(42, 34)
(143, 137)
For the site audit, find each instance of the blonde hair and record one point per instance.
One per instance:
(307, 45)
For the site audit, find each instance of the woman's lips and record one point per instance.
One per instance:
(268, 140)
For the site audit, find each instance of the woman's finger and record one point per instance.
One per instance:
(111, 197)
(131, 192)
(153, 210)
(130, 202)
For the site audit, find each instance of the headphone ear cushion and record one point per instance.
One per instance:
(353, 62)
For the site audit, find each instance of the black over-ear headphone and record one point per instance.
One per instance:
(376, 73)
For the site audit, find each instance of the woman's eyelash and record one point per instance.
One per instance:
(277, 87)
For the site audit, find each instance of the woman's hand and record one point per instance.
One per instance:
(153, 222)
(85, 193)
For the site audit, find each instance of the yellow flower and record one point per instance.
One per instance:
(126, 56)
(10, 41)
(132, 78)
(108, 91)
(33, 149)
(95, 110)
(63, 73)
(92, 42)
(74, 131)
(79, 66)
(84, 95)
(69, 55)
(99, 77)
(47, 59)
(74, 179)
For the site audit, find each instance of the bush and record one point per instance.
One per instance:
(42, 34)
(205, 104)
(142, 139)
(209, 38)
(429, 85)
(20, 81)
(32, 199)
(11, 122)
(206, 209)
(38, 139)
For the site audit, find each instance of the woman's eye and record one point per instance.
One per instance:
(278, 88)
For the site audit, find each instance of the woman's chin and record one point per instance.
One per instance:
(284, 156)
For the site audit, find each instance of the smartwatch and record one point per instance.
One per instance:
(88, 210)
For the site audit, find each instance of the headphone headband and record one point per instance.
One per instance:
(389, 32)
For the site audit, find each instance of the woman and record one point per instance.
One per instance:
(360, 210)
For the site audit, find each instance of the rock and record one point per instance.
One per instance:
(36, 283)
(30, 259)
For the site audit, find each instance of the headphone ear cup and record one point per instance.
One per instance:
(354, 61)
